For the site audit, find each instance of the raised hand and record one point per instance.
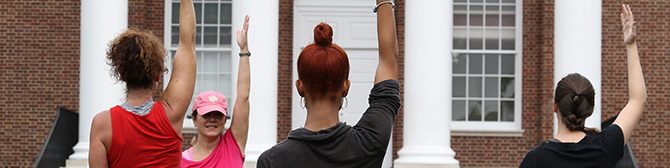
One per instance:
(242, 36)
(628, 24)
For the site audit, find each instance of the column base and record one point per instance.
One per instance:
(76, 163)
(421, 165)
(250, 164)
(426, 157)
(252, 152)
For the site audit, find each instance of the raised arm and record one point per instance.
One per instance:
(240, 123)
(388, 42)
(637, 91)
(177, 96)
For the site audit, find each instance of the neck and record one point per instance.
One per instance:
(138, 97)
(322, 113)
(206, 143)
(566, 135)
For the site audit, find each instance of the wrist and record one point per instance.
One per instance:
(244, 50)
(382, 3)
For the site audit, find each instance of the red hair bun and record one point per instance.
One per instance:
(323, 66)
(323, 34)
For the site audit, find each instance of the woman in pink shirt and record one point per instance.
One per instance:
(215, 146)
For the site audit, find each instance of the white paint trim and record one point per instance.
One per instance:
(512, 133)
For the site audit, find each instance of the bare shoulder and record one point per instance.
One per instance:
(101, 127)
(102, 119)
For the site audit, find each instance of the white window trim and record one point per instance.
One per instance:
(500, 129)
(187, 125)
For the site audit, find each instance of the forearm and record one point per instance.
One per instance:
(637, 90)
(184, 61)
(388, 44)
(243, 79)
(187, 23)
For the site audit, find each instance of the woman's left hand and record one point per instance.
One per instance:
(242, 36)
(628, 24)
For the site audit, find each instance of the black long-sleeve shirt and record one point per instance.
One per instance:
(342, 146)
(601, 149)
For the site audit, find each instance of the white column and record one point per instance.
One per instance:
(427, 96)
(101, 21)
(577, 46)
(263, 44)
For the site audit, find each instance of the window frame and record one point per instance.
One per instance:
(484, 128)
(187, 125)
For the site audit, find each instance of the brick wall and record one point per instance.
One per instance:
(285, 69)
(148, 15)
(400, 26)
(652, 136)
(39, 60)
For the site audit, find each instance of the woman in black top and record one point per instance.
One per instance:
(323, 70)
(577, 146)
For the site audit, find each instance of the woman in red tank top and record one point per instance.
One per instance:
(141, 132)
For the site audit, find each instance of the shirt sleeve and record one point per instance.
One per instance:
(612, 140)
(376, 124)
(264, 159)
(529, 160)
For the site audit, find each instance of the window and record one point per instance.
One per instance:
(213, 45)
(486, 75)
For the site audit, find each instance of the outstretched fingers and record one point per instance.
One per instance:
(242, 34)
(245, 28)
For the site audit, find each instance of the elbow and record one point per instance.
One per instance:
(242, 98)
(641, 98)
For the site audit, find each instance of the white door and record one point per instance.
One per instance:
(355, 29)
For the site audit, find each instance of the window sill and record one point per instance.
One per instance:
(483, 133)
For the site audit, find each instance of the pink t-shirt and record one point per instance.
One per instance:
(227, 154)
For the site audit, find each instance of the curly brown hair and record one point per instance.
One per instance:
(137, 58)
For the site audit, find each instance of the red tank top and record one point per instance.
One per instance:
(143, 141)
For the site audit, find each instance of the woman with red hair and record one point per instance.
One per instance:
(323, 72)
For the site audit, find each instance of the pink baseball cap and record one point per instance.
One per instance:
(210, 101)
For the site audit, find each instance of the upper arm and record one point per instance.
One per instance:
(240, 123)
(377, 121)
(628, 118)
(528, 161)
(265, 159)
(613, 140)
(100, 133)
(179, 91)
